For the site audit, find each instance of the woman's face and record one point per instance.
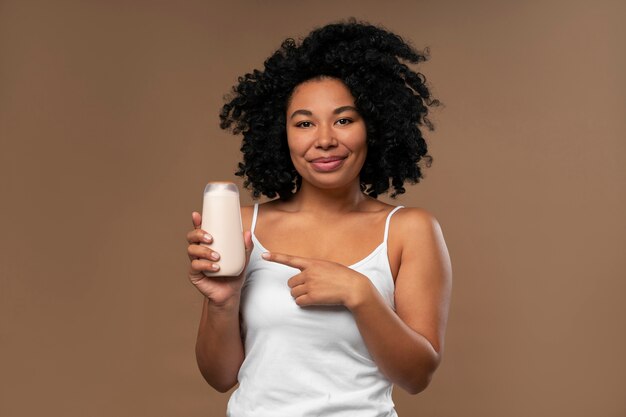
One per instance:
(325, 133)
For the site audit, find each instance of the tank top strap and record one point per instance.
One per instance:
(388, 220)
(254, 216)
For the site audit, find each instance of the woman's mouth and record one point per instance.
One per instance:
(328, 164)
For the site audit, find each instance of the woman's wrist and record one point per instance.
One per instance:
(225, 306)
(360, 292)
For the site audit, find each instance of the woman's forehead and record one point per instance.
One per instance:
(321, 93)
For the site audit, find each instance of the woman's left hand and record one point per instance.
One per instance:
(323, 282)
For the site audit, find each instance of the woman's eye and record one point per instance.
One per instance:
(344, 121)
(303, 124)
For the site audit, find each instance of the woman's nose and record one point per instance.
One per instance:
(326, 138)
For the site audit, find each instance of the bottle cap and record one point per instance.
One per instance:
(221, 187)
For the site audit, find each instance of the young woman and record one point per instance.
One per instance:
(343, 295)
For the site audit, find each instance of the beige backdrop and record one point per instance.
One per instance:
(108, 128)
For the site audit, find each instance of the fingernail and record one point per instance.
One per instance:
(265, 255)
(207, 237)
(215, 256)
(215, 267)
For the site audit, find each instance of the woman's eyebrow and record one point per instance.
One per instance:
(336, 111)
(303, 112)
(344, 108)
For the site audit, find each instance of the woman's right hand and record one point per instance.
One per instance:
(219, 290)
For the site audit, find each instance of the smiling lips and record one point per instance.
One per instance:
(328, 164)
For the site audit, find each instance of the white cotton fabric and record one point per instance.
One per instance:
(307, 361)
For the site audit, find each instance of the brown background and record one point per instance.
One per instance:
(108, 128)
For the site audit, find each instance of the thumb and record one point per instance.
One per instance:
(196, 219)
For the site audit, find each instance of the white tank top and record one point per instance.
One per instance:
(307, 361)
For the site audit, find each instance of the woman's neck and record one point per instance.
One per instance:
(320, 200)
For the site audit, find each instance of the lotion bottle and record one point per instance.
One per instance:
(221, 218)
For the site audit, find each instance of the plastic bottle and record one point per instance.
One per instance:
(221, 218)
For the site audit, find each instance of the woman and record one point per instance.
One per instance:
(343, 295)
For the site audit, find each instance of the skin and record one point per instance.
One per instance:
(342, 226)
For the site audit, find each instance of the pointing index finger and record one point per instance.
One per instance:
(289, 260)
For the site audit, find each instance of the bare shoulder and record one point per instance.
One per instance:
(414, 222)
(246, 216)
(267, 208)
(418, 239)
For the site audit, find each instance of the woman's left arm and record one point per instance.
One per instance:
(407, 344)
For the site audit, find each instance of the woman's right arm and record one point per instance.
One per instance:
(219, 348)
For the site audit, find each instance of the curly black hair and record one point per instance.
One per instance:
(391, 98)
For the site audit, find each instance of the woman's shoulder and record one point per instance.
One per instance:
(262, 206)
(407, 224)
(267, 207)
(405, 215)
(247, 213)
(412, 224)
(247, 210)
(415, 215)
